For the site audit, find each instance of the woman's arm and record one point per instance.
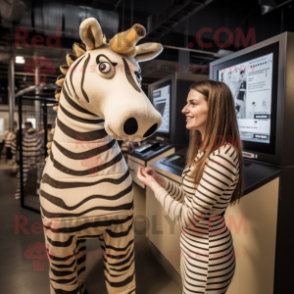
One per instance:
(219, 174)
(176, 192)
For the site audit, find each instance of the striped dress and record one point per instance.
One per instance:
(9, 138)
(31, 158)
(207, 252)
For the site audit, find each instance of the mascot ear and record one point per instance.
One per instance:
(91, 34)
(147, 51)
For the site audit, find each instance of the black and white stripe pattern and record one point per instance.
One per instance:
(31, 154)
(86, 192)
(207, 252)
(32, 146)
(9, 138)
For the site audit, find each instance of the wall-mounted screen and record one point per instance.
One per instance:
(252, 77)
(251, 85)
(161, 101)
(33, 121)
(2, 127)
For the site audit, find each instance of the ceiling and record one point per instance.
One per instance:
(121, 14)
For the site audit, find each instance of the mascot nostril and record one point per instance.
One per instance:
(131, 126)
(150, 131)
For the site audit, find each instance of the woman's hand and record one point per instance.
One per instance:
(159, 179)
(148, 177)
(151, 173)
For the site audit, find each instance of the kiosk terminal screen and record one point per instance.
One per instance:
(2, 129)
(251, 85)
(161, 101)
(141, 149)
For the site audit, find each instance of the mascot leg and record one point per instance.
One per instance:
(63, 260)
(81, 255)
(117, 244)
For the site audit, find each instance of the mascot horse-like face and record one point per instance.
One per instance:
(107, 81)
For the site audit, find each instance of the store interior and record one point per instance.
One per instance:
(248, 45)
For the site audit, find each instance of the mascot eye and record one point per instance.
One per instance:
(104, 67)
(139, 78)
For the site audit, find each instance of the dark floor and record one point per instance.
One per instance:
(18, 275)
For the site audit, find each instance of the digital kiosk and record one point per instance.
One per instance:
(162, 99)
(261, 79)
(173, 125)
(145, 155)
(169, 97)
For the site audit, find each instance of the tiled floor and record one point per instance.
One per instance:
(17, 274)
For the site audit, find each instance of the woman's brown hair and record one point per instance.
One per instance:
(221, 128)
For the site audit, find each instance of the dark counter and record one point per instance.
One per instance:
(255, 174)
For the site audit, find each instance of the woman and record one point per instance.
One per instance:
(211, 181)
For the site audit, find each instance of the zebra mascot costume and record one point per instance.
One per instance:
(86, 189)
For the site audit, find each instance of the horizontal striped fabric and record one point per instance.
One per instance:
(86, 192)
(10, 137)
(31, 153)
(207, 252)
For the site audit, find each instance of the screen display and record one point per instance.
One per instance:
(161, 101)
(2, 128)
(174, 158)
(177, 161)
(33, 121)
(141, 149)
(251, 85)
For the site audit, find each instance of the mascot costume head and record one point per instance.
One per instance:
(86, 189)
(109, 80)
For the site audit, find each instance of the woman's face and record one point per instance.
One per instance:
(196, 111)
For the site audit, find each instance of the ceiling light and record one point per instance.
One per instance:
(19, 60)
(267, 6)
